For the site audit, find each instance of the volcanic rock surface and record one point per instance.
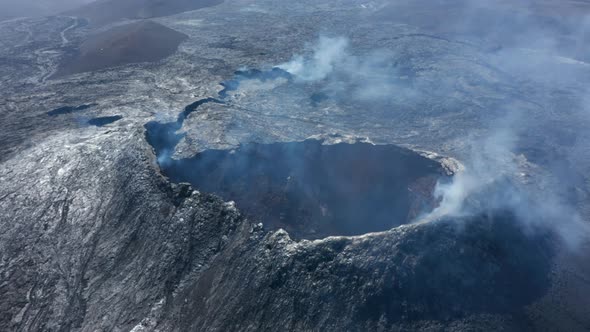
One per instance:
(420, 277)
(94, 234)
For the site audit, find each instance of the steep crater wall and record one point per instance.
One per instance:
(471, 274)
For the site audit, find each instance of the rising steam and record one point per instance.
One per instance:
(368, 77)
(328, 54)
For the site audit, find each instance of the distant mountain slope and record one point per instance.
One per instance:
(143, 41)
(107, 11)
(15, 8)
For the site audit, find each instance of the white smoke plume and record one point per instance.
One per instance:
(367, 77)
(327, 54)
(487, 184)
(491, 160)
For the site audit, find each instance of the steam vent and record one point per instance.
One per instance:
(314, 190)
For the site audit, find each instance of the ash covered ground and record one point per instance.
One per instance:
(314, 165)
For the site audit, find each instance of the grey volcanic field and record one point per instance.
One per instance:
(342, 165)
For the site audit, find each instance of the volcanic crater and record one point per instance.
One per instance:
(309, 188)
(314, 190)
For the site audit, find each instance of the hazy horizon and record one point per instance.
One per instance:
(18, 8)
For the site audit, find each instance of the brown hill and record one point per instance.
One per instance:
(143, 41)
(106, 11)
